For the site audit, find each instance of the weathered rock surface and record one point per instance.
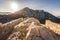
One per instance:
(15, 36)
(35, 32)
(54, 27)
(41, 33)
(26, 29)
(26, 23)
(7, 28)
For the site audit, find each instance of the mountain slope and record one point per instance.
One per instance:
(38, 14)
(26, 28)
(27, 12)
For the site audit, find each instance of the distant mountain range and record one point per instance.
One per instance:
(41, 15)
(4, 13)
(58, 16)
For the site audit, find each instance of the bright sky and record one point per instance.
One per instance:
(52, 6)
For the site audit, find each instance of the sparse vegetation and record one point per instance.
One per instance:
(23, 24)
(53, 26)
(17, 25)
(7, 28)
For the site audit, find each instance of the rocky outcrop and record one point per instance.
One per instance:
(41, 33)
(7, 28)
(26, 29)
(25, 24)
(29, 30)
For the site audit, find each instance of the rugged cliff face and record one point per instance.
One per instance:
(27, 12)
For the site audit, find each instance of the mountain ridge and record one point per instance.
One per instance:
(41, 15)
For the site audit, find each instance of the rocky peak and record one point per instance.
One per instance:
(41, 15)
(26, 8)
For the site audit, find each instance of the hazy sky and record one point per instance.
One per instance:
(52, 6)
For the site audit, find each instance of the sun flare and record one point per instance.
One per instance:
(14, 6)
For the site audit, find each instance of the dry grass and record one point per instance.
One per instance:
(53, 26)
(7, 28)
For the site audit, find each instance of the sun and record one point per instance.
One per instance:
(14, 6)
